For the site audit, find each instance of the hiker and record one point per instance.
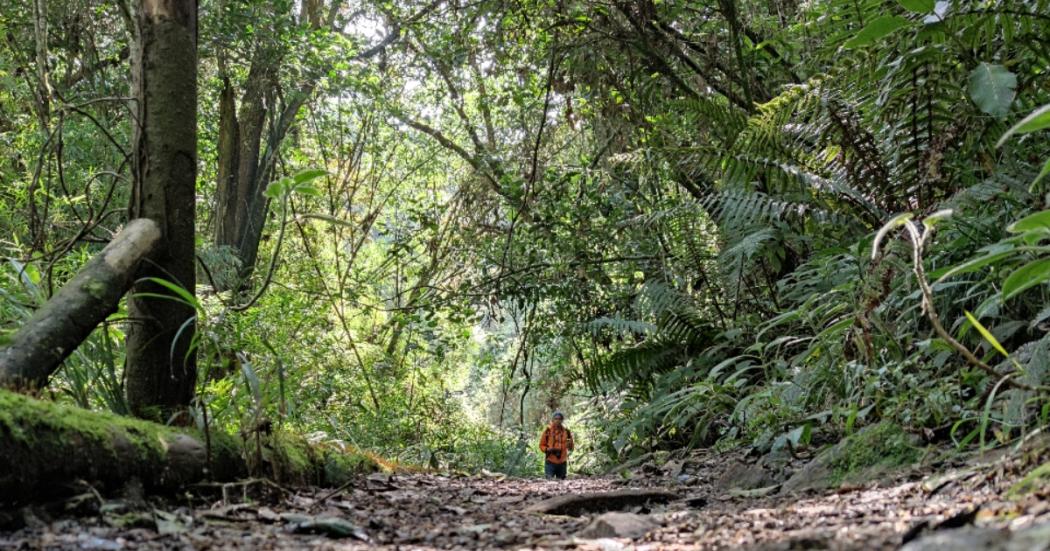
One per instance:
(556, 444)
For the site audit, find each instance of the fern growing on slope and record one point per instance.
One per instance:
(794, 190)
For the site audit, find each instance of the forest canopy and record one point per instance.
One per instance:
(419, 227)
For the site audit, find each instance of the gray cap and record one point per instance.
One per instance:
(558, 414)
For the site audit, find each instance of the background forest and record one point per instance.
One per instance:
(424, 225)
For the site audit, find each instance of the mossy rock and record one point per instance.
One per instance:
(1036, 481)
(870, 454)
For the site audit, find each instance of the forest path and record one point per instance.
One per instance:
(429, 511)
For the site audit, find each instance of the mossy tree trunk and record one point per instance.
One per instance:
(60, 325)
(161, 365)
(45, 448)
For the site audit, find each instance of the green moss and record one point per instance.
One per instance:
(293, 457)
(27, 419)
(340, 466)
(44, 445)
(153, 414)
(1038, 479)
(870, 452)
(225, 445)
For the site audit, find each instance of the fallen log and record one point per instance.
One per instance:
(46, 447)
(55, 330)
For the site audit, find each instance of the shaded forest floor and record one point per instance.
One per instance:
(962, 506)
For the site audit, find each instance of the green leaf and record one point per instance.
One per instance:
(307, 189)
(933, 219)
(988, 336)
(179, 290)
(276, 189)
(1039, 221)
(875, 29)
(1034, 273)
(190, 321)
(917, 6)
(800, 436)
(992, 89)
(160, 296)
(1042, 174)
(940, 12)
(308, 175)
(1036, 120)
(972, 265)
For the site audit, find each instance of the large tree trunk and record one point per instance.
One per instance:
(243, 173)
(241, 190)
(249, 140)
(259, 204)
(57, 328)
(161, 365)
(226, 172)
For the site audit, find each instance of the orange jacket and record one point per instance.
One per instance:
(557, 438)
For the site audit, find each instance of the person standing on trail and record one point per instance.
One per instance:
(556, 444)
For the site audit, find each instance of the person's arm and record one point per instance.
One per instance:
(543, 440)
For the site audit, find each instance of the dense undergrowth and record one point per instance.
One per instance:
(791, 327)
(661, 217)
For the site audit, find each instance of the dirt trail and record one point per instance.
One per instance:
(427, 511)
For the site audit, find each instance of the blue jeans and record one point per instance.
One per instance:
(554, 470)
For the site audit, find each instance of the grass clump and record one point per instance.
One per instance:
(1035, 481)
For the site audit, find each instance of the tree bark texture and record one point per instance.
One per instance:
(60, 325)
(161, 365)
(243, 172)
(250, 137)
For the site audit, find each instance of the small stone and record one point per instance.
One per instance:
(674, 468)
(333, 527)
(1031, 538)
(618, 525)
(744, 476)
(267, 514)
(170, 523)
(960, 538)
(97, 543)
(609, 544)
